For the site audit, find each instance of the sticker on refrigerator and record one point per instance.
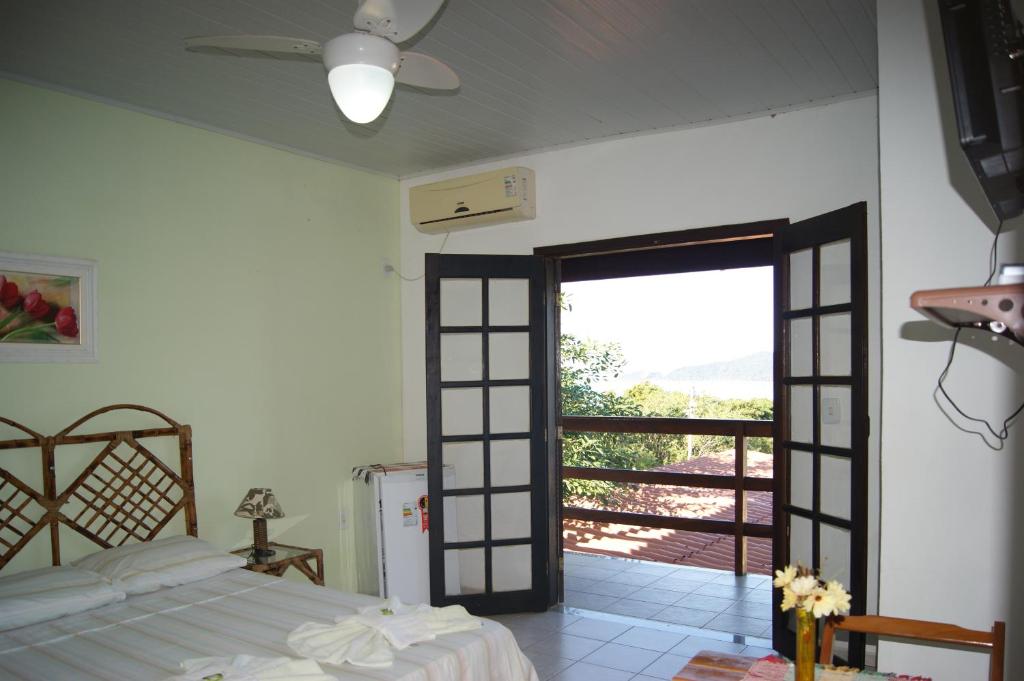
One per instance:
(424, 513)
(408, 515)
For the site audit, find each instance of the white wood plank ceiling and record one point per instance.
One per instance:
(535, 73)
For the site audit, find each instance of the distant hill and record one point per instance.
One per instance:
(755, 367)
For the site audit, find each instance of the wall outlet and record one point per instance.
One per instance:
(342, 520)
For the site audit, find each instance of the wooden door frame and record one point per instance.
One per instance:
(824, 230)
(439, 266)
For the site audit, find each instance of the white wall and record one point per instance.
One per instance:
(948, 537)
(793, 165)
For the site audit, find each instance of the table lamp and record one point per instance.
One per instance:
(260, 504)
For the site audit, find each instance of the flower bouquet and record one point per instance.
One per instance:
(812, 598)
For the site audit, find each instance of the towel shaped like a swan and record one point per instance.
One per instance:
(249, 668)
(369, 638)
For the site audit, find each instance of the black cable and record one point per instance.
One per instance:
(993, 254)
(1004, 432)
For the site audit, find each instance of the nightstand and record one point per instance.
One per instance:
(285, 557)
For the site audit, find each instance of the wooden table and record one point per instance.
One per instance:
(285, 557)
(711, 666)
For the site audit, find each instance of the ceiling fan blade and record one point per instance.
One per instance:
(424, 71)
(273, 46)
(396, 20)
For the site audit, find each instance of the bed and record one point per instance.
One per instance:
(127, 494)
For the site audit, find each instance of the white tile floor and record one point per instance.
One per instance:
(695, 597)
(642, 621)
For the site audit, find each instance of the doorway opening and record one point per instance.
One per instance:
(666, 404)
(694, 345)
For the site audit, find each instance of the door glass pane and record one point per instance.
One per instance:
(835, 486)
(509, 355)
(835, 553)
(510, 568)
(801, 347)
(835, 273)
(461, 302)
(835, 344)
(510, 409)
(801, 479)
(801, 266)
(470, 574)
(510, 515)
(461, 357)
(462, 411)
(801, 417)
(835, 415)
(800, 546)
(467, 462)
(510, 462)
(509, 302)
(468, 516)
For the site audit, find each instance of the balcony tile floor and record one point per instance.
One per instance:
(626, 620)
(691, 596)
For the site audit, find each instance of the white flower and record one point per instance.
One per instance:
(788, 599)
(821, 602)
(840, 599)
(803, 586)
(784, 578)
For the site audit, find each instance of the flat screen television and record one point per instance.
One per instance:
(985, 51)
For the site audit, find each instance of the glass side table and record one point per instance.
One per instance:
(285, 557)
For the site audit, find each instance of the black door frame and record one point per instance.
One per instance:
(484, 268)
(845, 223)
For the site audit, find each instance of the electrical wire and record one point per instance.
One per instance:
(1003, 433)
(405, 278)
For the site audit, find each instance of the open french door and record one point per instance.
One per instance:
(487, 435)
(821, 408)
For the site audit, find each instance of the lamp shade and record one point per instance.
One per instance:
(260, 502)
(361, 74)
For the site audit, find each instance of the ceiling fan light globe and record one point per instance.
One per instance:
(361, 74)
(361, 91)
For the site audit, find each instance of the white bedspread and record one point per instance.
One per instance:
(146, 637)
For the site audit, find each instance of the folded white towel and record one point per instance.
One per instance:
(368, 638)
(348, 641)
(249, 668)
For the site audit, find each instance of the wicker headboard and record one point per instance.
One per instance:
(125, 494)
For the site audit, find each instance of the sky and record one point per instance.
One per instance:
(668, 321)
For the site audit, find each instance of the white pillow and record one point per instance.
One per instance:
(138, 568)
(39, 595)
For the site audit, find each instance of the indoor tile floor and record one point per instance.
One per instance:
(627, 619)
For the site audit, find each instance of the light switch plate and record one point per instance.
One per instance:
(831, 411)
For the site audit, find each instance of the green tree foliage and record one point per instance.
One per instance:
(586, 363)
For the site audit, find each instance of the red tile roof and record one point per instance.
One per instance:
(674, 546)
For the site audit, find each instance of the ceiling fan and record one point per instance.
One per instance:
(363, 66)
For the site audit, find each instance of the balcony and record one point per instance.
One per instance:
(712, 511)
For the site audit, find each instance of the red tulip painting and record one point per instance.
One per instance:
(39, 308)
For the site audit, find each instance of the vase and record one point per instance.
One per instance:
(806, 632)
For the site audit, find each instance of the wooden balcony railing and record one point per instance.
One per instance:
(739, 482)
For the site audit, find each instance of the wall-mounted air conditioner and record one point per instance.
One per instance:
(504, 195)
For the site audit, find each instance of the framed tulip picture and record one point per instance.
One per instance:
(47, 309)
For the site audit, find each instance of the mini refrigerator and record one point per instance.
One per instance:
(392, 531)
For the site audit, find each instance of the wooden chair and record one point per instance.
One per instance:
(993, 641)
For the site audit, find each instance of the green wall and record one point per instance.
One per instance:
(240, 291)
